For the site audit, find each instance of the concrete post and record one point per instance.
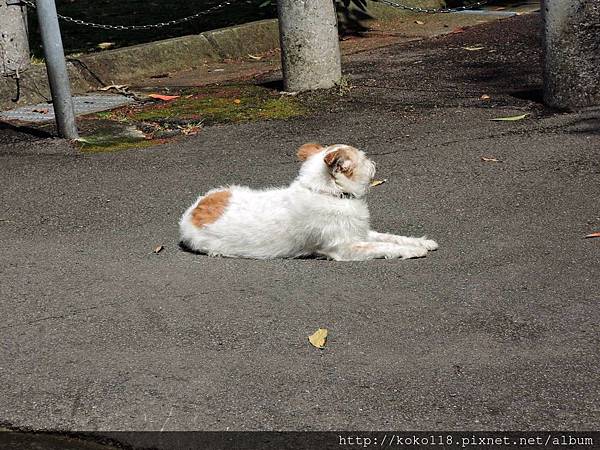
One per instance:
(571, 53)
(310, 49)
(56, 67)
(14, 47)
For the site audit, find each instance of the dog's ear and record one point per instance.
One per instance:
(340, 160)
(307, 150)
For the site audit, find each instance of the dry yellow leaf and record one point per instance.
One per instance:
(117, 87)
(105, 45)
(378, 182)
(419, 22)
(237, 101)
(485, 97)
(510, 119)
(486, 159)
(318, 338)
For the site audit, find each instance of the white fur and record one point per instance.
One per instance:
(309, 217)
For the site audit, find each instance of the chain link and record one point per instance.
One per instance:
(136, 27)
(418, 9)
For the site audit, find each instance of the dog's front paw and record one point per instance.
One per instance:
(428, 243)
(413, 252)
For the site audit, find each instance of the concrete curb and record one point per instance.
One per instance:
(124, 64)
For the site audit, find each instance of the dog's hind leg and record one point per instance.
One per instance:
(362, 251)
(403, 240)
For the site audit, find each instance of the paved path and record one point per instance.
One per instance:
(496, 330)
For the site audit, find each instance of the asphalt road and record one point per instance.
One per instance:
(498, 329)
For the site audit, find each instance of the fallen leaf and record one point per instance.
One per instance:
(191, 129)
(457, 30)
(41, 110)
(118, 87)
(378, 182)
(318, 338)
(510, 118)
(419, 22)
(105, 45)
(474, 48)
(158, 249)
(164, 98)
(485, 97)
(256, 58)
(486, 159)
(237, 101)
(593, 235)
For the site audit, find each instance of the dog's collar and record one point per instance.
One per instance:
(342, 195)
(345, 195)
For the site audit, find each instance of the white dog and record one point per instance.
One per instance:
(321, 213)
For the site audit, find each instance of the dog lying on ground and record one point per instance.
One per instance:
(323, 212)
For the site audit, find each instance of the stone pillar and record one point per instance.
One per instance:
(14, 47)
(310, 50)
(571, 53)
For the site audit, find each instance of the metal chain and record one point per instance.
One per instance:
(136, 27)
(418, 9)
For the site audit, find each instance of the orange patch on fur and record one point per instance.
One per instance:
(342, 159)
(307, 150)
(210, 208)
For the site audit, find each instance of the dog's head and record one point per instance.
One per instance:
(344, 168)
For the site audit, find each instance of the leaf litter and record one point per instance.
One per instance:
(164, 98)
(318, 338)
(510, 118)
(378, 182)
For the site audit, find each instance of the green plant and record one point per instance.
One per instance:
(344, 86)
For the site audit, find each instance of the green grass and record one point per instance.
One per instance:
(224, 105)
(106, 143)
(117, 130)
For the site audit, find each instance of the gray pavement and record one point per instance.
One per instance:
(498, 329)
